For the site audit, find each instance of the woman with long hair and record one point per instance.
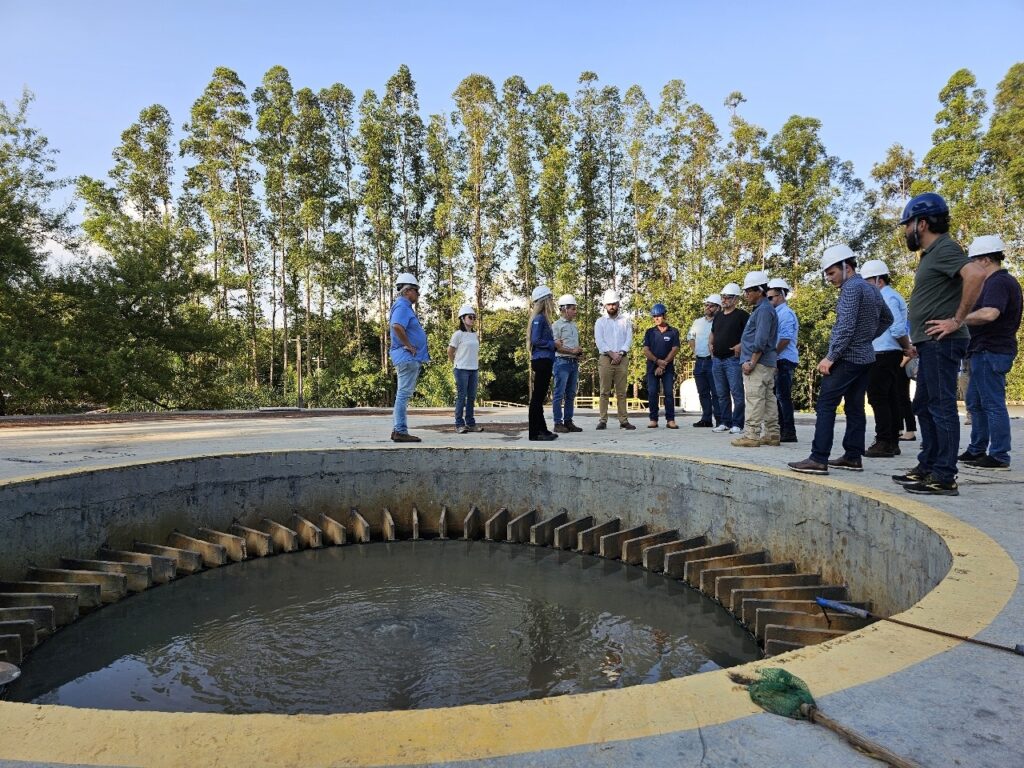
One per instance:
(540, 343)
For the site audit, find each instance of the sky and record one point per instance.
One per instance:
(870, 71)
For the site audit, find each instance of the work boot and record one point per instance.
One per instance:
(746, 442)
(404, 437)
(880, 450)
(571, 426)
(627, 425)
(561, 428)
(602, 425)
(844, 462)
(771, 441)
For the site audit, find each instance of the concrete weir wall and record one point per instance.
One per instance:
(882, 554)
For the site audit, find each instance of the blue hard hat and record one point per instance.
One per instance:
(658, 309)
(924, 205)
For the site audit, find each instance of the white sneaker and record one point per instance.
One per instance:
(720, 428)
(736, 431)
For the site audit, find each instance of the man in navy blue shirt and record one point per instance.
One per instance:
(993, 322)
(661, 345)
(408, 351)
(861, 316)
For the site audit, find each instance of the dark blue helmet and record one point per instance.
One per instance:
(658, 309)
(923, 206)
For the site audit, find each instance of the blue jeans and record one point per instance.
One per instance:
(986, 402)
(408, 373)
(465, 396)
(848, 382)
(655, 386)
(705, 381)
(729, 381)
(567, 379)
(935, 406)
(784, 396)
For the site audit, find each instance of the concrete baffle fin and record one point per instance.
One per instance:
(518, 529)
(359, 527)
(113, 586)
(496, 526)
(542, 534)
(693, 571)
(64, 605)
(442, 523)
(834, 621)
(726, 586)
(88, 595)
(828, 591)
(654, 557)
(138, 577)
(283, 537)
(310, 536)
(588, 540)
(748, 612)
(387, 525)
(334, 532)
(633, 549)
(257, 543)
(163, 568)
(610, 545)
(213, 555)
(566, 535)
(41, 615)
(675, 562)
(415, 524)
(234, 546)
(798, 636)
(185, 560)
(709, 576)
(10, 646)
(472, 524)
(23, 628)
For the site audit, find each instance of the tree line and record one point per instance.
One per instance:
(265, 231)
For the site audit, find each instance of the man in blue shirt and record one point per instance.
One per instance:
(886, 371)
(757, 362)
(661, 345)
(408, 351)
(789, 329)
(861, 315)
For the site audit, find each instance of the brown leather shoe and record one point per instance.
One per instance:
(854, 465)
(404, 437)
(809, 467)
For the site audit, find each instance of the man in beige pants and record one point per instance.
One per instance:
(613, 335)
(758, 358)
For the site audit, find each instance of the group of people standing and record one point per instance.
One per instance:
(962, 305)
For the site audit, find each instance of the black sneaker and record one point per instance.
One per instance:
(626, 425)
(915, 475)
(602, 425)
(932, 487)
(572, 427)
(562, 428)
(969, 457)
(854, 465)
(702, 423)
(987, 462)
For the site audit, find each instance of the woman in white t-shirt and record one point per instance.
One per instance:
(464, 354)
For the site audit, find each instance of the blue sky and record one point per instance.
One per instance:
(871, 71)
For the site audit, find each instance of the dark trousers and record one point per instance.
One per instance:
(541, 381)
(847, 382)
(935, 406)
(656, 385)
(884, 395)
(705, 381)
(906, 407)
(784, 396)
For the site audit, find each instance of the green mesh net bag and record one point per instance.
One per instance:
(779, 692)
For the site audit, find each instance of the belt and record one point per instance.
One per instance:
(703, 357)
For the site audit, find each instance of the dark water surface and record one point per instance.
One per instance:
(408, 625)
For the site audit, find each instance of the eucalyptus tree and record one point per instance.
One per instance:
(224, 179)
(611, 119)
(484, 187)
(1003, 158)
(554, 129)
(275, 125)
(895, 177)
(401, 108)
(445, 172)
(519, 139)
(337, 102)
(594, 272)
(642, 197)
(674, 128)
(376, 153)
(953, 165)
(144, 163)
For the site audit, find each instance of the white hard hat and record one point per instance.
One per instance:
(731, 289)
(407, 278)
(755, 279)
(874, 268)
(983, 245)
(611, 296)
(714, 298)
(540, 292)
(835, 254)
(568, 300)
(779, 283)
(466, 309)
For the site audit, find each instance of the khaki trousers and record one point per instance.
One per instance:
(762, 409)
(613, 377)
